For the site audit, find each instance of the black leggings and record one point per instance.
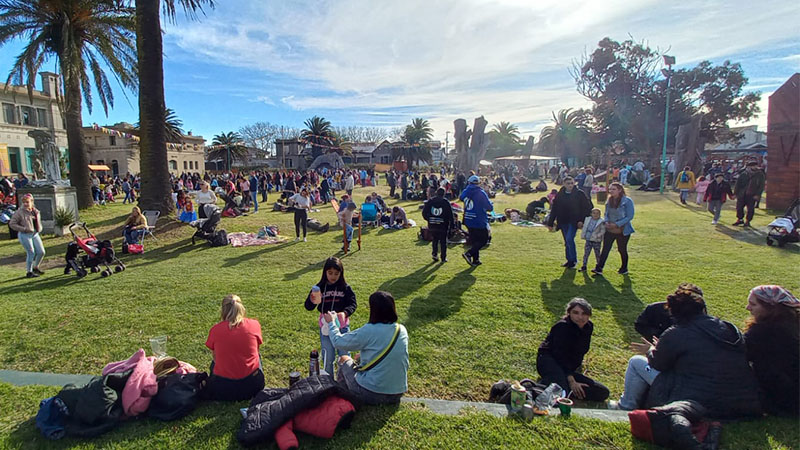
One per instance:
(551, 372)
(622, 247)
(300, 218)
(478, 238)
(225, 389)
(439, 242)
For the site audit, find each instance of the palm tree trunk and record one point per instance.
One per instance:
(78, 158)
(156, 189)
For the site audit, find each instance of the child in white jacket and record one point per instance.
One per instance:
(594, 227)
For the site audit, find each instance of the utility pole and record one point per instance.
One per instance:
(669, 61)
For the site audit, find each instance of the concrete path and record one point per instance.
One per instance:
(446, 407)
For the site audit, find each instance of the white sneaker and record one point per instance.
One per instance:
(713, 222)
(297, 239)
(305, 240)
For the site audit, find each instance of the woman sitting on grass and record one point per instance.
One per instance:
(772, 338)
(236, 372)
(700, 358)
(135, 226)
(561, 354)
(381, 377)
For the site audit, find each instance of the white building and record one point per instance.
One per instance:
(21, 114)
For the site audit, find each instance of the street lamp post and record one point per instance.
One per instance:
(669, 61)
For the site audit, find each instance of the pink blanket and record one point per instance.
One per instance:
(142, 384)
(241, 239)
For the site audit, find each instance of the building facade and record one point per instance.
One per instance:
(22, 113)
(117, 148)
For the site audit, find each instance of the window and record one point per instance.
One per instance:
(29, 152)
(385, 159)
(13, 160)
(41, 117)
(115, 167)
(288, 163)
(28, 118)
(112, 140)
(173, 165)
(9, 115)
(185, 165)
(100, 161)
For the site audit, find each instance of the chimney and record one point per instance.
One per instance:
(50, 83)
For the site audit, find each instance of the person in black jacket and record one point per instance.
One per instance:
(561, 354)
(772, 338)
(700, 358)
(439, 214)
(332, 293)
(569, 209)
(653, 321)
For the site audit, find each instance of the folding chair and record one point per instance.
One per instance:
(152, 218)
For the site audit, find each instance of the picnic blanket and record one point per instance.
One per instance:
(242, 239)
(527, 224)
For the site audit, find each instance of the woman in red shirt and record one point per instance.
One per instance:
(236, 372)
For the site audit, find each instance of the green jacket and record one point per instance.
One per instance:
(755, 180)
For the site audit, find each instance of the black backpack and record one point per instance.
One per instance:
(220, 238)
(177, 395)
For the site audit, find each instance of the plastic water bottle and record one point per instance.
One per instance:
(313, 364)
(548, 397)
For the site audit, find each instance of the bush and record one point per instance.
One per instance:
(64, 217)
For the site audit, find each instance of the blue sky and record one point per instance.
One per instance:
(382, 63)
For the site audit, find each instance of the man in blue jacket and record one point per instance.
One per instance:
(253, 190)
(476, 205)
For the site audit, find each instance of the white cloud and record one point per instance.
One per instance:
(446, 59)
(264, 99)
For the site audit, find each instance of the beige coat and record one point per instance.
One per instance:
(22, 221)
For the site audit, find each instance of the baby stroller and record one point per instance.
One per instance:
(369, 214)
(784, 229)
(97, 253)
(207, 228)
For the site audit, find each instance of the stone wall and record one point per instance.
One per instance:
(783, 142)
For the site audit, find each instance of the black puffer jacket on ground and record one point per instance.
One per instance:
(271, 408)
(703, 359)
(96, 407)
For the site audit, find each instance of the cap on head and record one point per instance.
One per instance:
(474, 179)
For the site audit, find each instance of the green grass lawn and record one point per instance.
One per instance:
(468, 327)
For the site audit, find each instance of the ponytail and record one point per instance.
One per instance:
(232, 310)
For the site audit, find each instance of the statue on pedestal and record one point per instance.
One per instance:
(46, 160)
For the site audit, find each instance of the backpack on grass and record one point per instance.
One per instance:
(220, 238)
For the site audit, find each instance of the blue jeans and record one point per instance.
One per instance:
(684, 195)
(128, 197)
(32, 243)
(349, 230)
(639, 376)
(327, 350)
(133, 236)
(254, 196)
(568, 231)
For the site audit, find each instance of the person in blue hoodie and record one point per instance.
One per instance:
(476, 205)
(253, 190)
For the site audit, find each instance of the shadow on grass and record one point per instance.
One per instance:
(624, 303)
(245, 257)
(315, 267)
(55, 281)
(443, 301)
(401, 287)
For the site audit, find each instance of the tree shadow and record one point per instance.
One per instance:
(600, 293)
(47, 282)
(401, 287)
(233, 261)
(304, 270)
(442, 302)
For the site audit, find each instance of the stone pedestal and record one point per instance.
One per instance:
(48, 199)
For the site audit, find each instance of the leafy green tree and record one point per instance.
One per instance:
(156, 190)
(505, 140)
(418, 132)
(80, 35)
(228, 147)
(568, 136)
(319, 134)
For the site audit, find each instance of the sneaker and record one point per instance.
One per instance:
(435, 258)
(305, 240)
(613, 404)
(467, 258)
(476, 263)
(737, 223)
(747, 224)
(622, 271)
(444, 260)
(566, 264)
(714, 222)
(37, 271)
(31, 275)
(571, 265)
(582, 269)
(597, 271)
(297, 239)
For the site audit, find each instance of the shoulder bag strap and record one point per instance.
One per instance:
(383, 353)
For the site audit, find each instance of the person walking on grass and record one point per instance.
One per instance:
(748, 189)
(253, 182)
(302, 205)
(594, 228)
(27, 222)
(568, 210)
(476, 207)
(439, 214)
(619, 214)
(716, 194)
(686, 182)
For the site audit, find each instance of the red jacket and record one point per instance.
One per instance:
(322, 421)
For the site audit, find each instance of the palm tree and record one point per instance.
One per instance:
(319, 134)
(507, 131)
(80, 35)
(172, 125)
(228, 146)
(156, 189)
(505, 140)
(568, 135)
(419, 131)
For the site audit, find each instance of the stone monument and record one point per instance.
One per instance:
(49, 191)
(783, 144)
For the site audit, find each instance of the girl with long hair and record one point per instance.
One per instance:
(618, 216)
